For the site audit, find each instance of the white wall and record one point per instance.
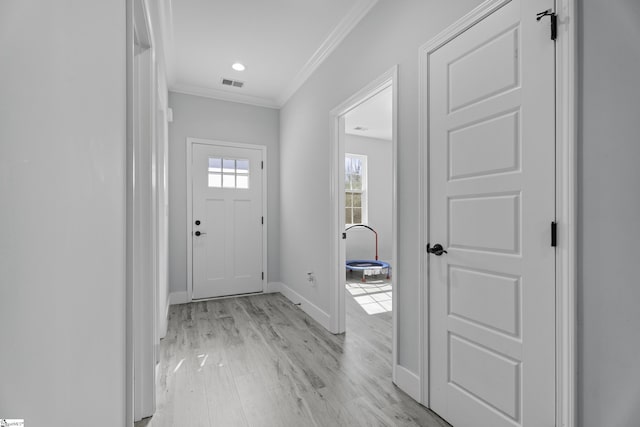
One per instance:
(162, 164)
(390, 34)
(62, 229)
(206, 118)
(609, 209)
(361, 241)
(162, 176)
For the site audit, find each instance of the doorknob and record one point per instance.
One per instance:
(198, 222)
(199, 233)
(437, 249)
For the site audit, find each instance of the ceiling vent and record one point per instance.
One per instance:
(234, 83)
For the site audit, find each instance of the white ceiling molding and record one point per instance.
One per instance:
(334, 39)
(224, 96)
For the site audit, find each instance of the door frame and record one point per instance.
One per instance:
(141, 285)
(566, 193)
(337, 321)
(189, 220)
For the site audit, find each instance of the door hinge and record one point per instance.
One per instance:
(262, 164)
(262, 220)
(554, 234)
(554, 21)
(263, 275)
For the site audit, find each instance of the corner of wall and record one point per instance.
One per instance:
(273, 287)
(179, 297)
(317, 314)
(164, 320)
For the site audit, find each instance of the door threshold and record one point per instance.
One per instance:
(248, 294)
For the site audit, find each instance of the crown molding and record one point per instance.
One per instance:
(335, 37)
(332, 41)
(224, 95)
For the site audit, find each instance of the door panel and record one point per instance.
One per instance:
(244, 243)
(215, 224)
(500, 216)
(491, 62)
(486, 148)
(491, 202)
(227, 203)
(486, 375)
(472, 286)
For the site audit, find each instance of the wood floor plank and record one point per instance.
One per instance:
(273, 405)
(222, 395)
(261, 361)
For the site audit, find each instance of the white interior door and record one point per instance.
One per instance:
(227, 220)
(491, 204)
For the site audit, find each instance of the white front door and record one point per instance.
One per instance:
(227, 220)
(491, 204)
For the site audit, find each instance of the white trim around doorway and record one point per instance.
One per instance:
(336, 166)
(189, 144)
(566, 193)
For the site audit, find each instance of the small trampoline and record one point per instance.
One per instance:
(366, 266)
(369, 268)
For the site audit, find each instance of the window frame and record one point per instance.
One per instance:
(364, 192)
(235, 174)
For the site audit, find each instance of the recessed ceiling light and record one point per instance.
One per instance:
(238, 66)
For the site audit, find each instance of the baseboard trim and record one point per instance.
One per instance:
(408, 382)
(311, 309)
(307, 306)
(176, 298)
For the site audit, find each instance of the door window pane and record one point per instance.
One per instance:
(242, 182)
(228, 166)
(242, 166)
(215, 180)
(228, 181)
(228, 173)
(215, 164)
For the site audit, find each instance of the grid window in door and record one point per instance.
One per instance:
(355, 185)
(228, 173)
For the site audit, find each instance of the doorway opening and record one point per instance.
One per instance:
(364, 200)
(368, 179)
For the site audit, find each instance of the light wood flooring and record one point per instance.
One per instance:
(261, 361)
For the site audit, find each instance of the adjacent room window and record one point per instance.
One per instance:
(355, 185)
(228, 173)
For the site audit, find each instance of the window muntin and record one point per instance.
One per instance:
(355, 185)
(228, 173)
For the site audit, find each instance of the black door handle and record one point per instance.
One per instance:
(199, 233)
(437, 249)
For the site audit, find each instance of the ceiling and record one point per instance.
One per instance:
(373, 118)
(281, 42)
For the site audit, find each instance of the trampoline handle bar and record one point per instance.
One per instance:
(363, 226)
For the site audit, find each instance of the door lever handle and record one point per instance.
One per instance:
(199, 233)
(437, 249)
